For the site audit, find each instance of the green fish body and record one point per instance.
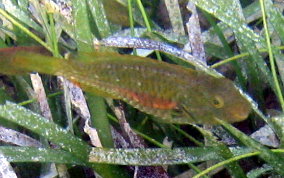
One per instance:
(170, 92)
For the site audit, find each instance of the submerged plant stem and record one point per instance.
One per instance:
(236, 158)
(27, 31)
(271, 58)
(236, 57)
(147, 23)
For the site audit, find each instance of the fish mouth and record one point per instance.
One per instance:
(238, 112)
(236, 117)
(240, 115)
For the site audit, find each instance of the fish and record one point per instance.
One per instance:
(171, 93)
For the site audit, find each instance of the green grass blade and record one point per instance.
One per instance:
(30, 154)
(233, 167)
(44, 128)
(147, 23)
(83, 33)
(276, 161)
(224, 152)
(27, 31)
(227, 49)
(230, 13)
(84, 39)
(96, 104)
(275, 18)
(271, 57)
(259, 171)
(99, 116)
(175, 16)
(55, 134)
(131, 22)
(17, 12)
(99, 16)
(278, 123)
(156, 156)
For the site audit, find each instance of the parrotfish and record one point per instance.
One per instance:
(172, 93)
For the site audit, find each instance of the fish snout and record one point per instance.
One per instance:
(240, 113)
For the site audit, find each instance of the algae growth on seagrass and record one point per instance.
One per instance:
(170, 92)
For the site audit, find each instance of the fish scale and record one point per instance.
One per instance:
(126, 87)
(170, 92)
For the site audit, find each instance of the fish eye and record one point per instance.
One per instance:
(218, 102)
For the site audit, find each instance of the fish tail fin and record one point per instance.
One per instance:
(32, 62)
(21, 60)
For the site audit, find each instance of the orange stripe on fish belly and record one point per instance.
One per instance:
(148, 100)
(142, 98)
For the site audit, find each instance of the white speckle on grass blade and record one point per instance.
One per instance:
(230, 13)
(278, 123)
(159, 156)
(20, 14)
(175, 16)
(45, 128)
(258, 172)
